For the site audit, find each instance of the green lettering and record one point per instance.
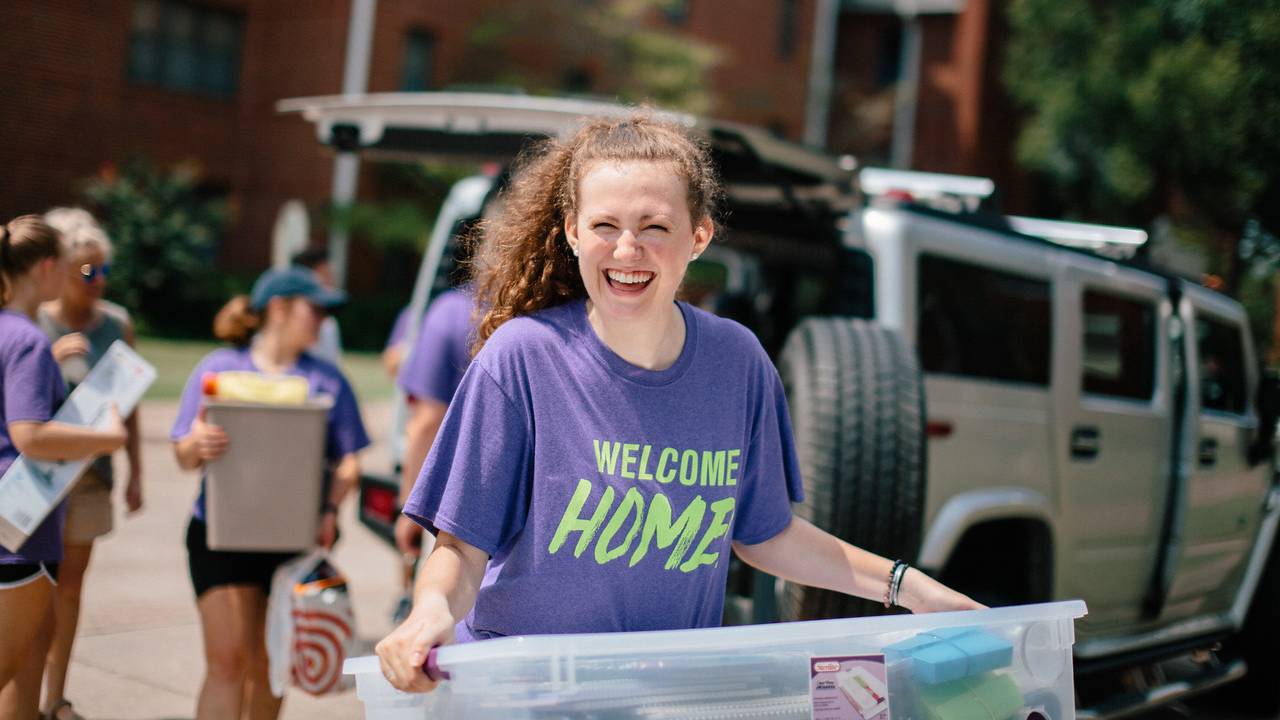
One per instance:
(718, 528)
(657, 521)
(629, 460)
(644, 463)
(632, 501)
(689, 467)
(606, 456)
(572, 521)
(732, 467)
(712, 468)
(668, 455)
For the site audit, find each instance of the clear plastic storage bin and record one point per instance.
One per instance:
(983, 665)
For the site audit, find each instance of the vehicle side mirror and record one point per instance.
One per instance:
(1268, 402)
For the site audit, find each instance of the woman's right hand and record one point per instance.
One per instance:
(69, 345)
(210, 440)
(403, 653)
(116, 432)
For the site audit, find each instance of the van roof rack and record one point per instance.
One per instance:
(1117, 243)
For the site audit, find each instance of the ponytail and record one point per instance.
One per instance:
(24, 242)
(237, 322)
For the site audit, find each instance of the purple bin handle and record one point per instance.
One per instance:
(432, 668)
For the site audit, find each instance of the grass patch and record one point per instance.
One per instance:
(174, 360)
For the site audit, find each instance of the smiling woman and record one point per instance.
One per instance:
(546, 522)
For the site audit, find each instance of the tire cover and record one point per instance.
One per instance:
(856, 398)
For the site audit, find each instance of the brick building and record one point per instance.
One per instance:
(85, 82)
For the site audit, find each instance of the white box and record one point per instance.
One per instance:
(31, 489)
(753, 671)
(263, 494)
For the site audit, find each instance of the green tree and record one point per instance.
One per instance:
(609, 47)
(1142, 107)
(165, 233)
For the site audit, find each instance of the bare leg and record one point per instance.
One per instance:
(262, 704)
(20, 697)
(66, 604)
(224, 617)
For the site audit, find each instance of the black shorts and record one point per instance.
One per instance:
(12, 576)
(213, 568)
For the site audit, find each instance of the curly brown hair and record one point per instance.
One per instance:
(522, 258)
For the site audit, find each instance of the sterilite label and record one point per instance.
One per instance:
(851, 687)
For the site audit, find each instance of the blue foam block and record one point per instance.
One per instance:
(952, 653)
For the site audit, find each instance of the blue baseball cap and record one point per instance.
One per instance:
(294, 282)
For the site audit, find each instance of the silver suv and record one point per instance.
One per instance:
(1010, 403)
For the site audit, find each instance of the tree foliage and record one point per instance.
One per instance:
(165, 233)
(1141, 107)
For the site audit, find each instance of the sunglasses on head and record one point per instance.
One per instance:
(90, 272)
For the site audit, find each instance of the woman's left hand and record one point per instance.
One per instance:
(327, 533)
(920, 593)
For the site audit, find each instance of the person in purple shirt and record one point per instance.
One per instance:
(269, 331)
(608, 447)
(32, 271)
(440, 356)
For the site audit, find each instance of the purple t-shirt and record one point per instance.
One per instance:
(442, 351)
(607, 495)
(31, 389)
(344, 434)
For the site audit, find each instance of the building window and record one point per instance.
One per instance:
(187, 47)
(1119, 347)
(577, 80)
(788, 22)
(1222, 380)
(889, 55)
(419, 54)
(676, 11)
(978, 322)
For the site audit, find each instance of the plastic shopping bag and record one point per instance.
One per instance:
(310, 626)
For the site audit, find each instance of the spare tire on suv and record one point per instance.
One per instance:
(856, 397)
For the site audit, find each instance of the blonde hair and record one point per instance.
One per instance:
(526, 263)
(79, 229)
(24, 242)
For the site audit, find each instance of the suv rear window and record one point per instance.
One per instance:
(983, 323)
(1222, 383)
(1119, 346)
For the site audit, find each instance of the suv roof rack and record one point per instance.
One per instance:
(1117, 243)
(938, 190)
(962, 193)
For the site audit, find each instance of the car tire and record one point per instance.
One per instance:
(856, 398)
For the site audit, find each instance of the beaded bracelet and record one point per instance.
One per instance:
(900, 568)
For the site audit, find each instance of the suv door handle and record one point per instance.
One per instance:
(1208, 452)
(1086, 442)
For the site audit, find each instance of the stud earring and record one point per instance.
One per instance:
(695, 256)
(575, 250)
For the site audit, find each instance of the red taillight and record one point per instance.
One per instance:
(898, 195)
(379, 504)
(939, 429)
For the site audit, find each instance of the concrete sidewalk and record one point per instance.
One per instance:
(138, 649)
